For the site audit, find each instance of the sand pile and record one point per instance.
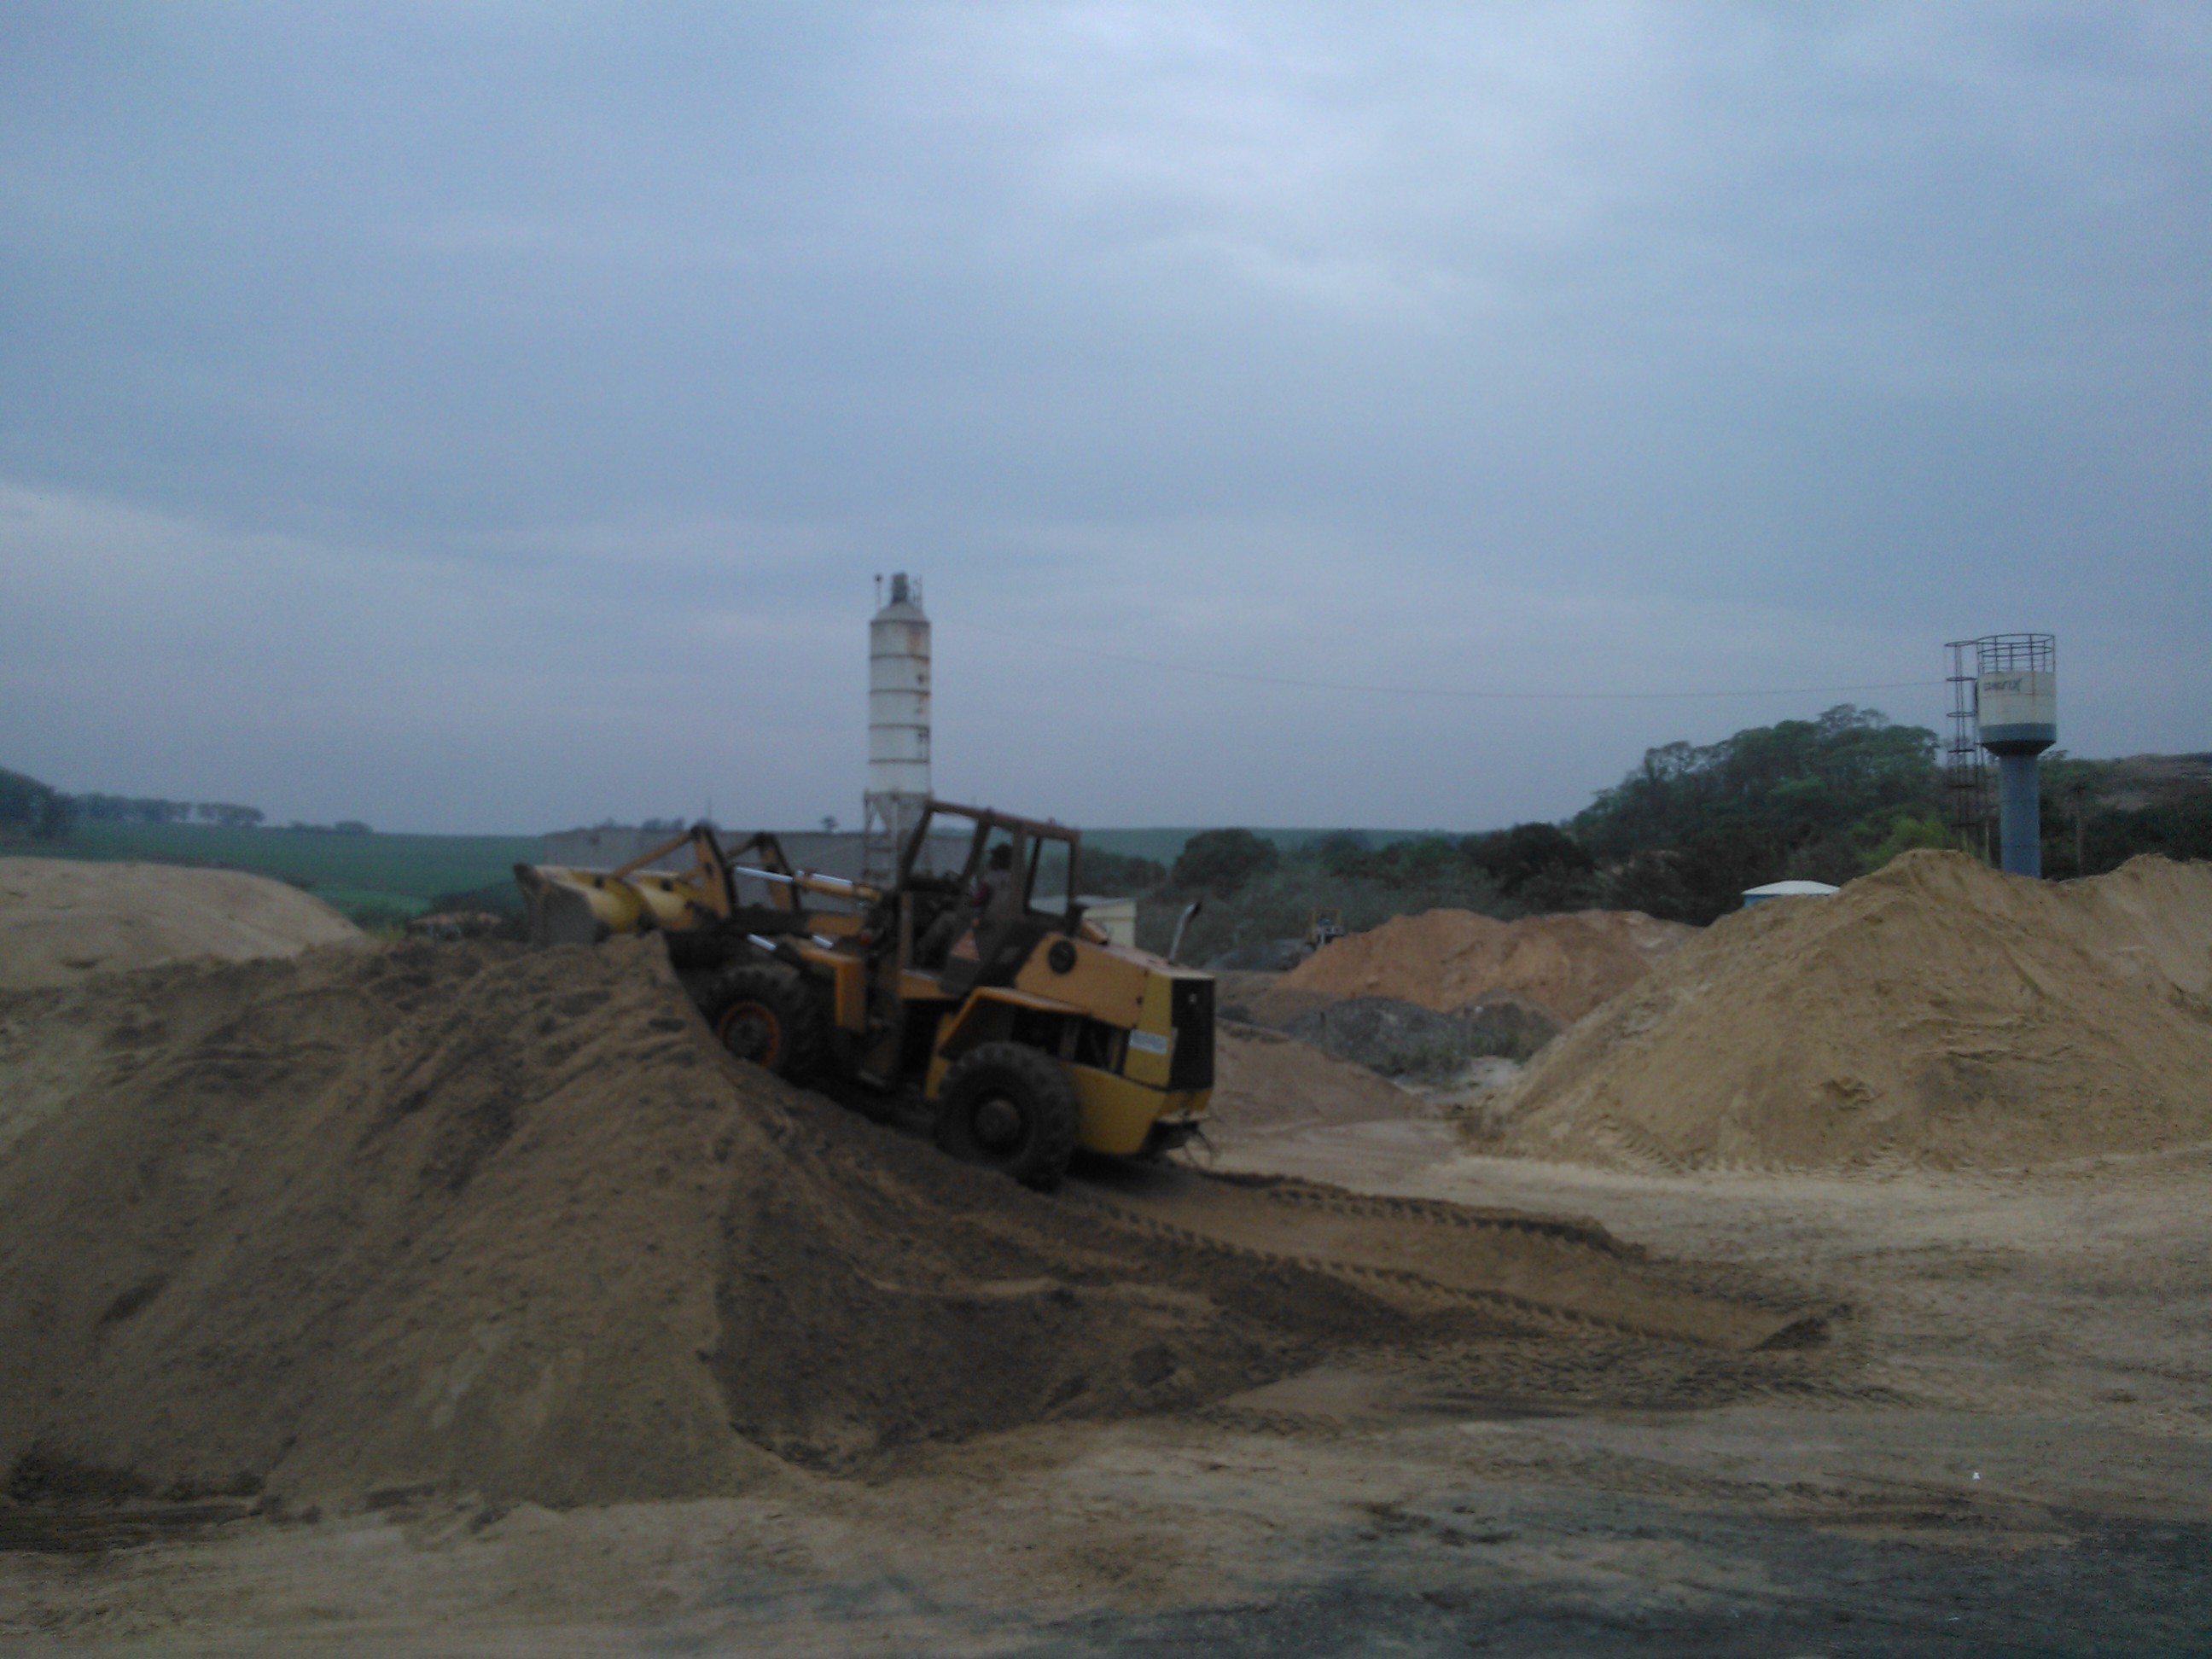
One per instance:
(61, 919)
(508, 1222)
(1266, 1082)
(1937, 1012)
(1445, 959)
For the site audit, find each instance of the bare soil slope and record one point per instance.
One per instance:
(1937, 1012)
(466, 1214)
(61, 919)
(1445, 959)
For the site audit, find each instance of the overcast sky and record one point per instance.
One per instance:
(491, 417)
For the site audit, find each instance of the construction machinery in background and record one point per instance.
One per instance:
(1018, 1029)
(1326, 928)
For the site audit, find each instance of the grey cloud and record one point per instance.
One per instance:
(548, 368)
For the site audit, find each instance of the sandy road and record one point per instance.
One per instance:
(2005, 1446)
(2085, 1289)
(1533, 1264)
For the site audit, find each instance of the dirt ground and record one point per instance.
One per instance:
(2004, 1445)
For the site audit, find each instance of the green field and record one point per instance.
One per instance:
(403, 874)
(398, 872)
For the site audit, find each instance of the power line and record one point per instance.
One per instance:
(1437, 691)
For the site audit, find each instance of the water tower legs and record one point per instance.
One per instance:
(2020, 813)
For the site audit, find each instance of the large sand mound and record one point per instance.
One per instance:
(61, 919)
(1445, 959)
(468, 1215)
(509, 1222)
(1937, 1012)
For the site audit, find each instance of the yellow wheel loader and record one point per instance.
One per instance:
(1019, 1030)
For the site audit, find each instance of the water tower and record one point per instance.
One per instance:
(2016, 719)
(898, 727)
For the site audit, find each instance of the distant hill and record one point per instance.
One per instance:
(1164, 845)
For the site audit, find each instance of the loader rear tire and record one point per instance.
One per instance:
(768, 1016)
(1010, 1109)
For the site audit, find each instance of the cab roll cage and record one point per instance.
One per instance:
(1028, 837)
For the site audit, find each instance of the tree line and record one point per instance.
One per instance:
(147, 809)
(1679, 836)
(38, 812)
(1684, 833)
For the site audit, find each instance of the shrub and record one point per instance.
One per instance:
(1529, 852)
(1901, 833)
(28, 807)
(1220, 861)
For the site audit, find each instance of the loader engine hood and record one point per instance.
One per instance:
(1167, 1011)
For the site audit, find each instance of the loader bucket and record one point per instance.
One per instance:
(575, 908)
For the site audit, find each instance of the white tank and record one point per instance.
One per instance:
(2016, 693)
(898, 696)
(898, 729)
(2017, 710)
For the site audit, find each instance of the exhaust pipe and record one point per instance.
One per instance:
(1182, 922)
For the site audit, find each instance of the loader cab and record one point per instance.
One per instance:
(1021, 861)
(1016, 884)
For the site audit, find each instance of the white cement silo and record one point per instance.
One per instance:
(898, 727)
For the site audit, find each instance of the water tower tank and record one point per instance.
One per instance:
(898, 724)
(2016, 717)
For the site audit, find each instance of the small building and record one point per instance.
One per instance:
(1775, 890)
(611, 845)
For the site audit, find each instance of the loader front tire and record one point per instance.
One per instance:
(768, 1016)
(1010, 1109)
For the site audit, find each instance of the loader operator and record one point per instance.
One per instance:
(937, 942)
(992, 881)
